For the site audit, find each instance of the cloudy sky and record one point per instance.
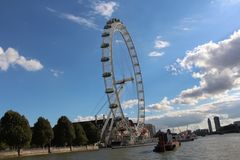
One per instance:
(189, 52)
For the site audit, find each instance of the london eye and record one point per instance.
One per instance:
(117, 127)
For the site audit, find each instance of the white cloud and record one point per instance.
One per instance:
(225, 3)
(182, 28)
(56, 73)
(164, 105)
(217, 67)
(104, 8)
(186, 29)
(227, 109)
(174, 69)
(159, 44)
(51, 10)
(188, 23)
(175, 119)
(129, 103)
(197, 115)
(87, 22)
(156, 54)
(11, 57)
(80, 20)
(224, 54)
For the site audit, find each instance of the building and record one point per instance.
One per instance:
(217, 123)
(100, 121)
(209, 126)
(201, 132)
(231, 128)
(151, 128)
(237, 123)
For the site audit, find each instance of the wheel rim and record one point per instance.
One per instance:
(112, 88)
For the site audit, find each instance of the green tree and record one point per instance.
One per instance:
(3, 146)
(64, 133)
(1, 140)
(81, 138)
(16, 131)
(92, 132)
(42, 133)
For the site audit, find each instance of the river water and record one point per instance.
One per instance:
(215, 147)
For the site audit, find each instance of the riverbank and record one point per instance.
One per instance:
(40, 151)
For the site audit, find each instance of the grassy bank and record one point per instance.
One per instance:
(40, 151)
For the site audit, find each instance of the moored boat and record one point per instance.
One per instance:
(186, 140)
(187, 136)
(166, 142)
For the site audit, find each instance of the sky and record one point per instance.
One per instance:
(188, 52)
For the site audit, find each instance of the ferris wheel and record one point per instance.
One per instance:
(117, 126)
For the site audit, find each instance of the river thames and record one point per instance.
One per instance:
(215, 147)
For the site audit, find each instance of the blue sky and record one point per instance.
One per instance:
(53, 65)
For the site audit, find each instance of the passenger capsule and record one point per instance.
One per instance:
(107, 74)
(112, 106)
(105, 34)
(109, 90)
(118, 118)
(107, 26)
(104, 45)
(104, 59)
(109, 22)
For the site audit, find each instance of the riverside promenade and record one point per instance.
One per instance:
(40, 151)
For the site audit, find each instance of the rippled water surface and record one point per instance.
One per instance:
(217, 147)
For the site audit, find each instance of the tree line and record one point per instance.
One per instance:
(16, 133)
